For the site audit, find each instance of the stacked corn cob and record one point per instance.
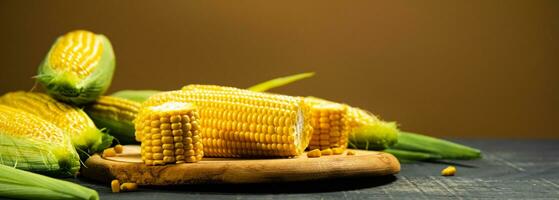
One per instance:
(170, 134)
(331, 125)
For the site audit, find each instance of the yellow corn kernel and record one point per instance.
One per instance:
(118, 148)
(242, 123)
(330, 123)
(115, 186)
(170, 134)
(326, 152)
(337, 151)
(350, 153)
(110, 152)
(315, 153)
(128, 187)
(449, 171)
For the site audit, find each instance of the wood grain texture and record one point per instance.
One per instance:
(127, 167)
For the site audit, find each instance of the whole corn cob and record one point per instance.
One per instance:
(171, 134)
(242, 123)
(72, 120)
(30, 143)
(116, 115)
(78, 68)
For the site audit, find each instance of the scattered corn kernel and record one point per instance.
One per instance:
(350, 153)
(110, 152)
(127, 187)
(337, 151)
(449, 171)
(326, 152)
(314, 153)
(118, 148)
(115, 185)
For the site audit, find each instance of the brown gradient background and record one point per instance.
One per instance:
(470, 69)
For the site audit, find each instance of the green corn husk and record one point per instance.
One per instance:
(443, 148)
(410, 156)
(64, 84)
(135, 95)
(281, 81)
(18, 184)
(39, 156)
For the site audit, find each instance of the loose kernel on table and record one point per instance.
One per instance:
(126, 187)
(350, 153)
(337, 151)
(314, 153)
(118, 148)
(449, 171)
(115, 185)
(327, 152)
(110, 152)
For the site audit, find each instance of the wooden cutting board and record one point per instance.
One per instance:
(128, 167)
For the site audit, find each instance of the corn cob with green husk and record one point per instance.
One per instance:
(19, 184)
(78, 68)
(31, 143)
(371, 133)
(73, 121)
(241, 123)
(116, 115)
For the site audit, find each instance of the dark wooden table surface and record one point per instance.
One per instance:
(510, 169)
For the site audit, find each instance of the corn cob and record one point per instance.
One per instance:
(116, 115)
(30, 143)
(73, 121)
(78, 68)
(242, 123)
(330, 123)
(171, 134)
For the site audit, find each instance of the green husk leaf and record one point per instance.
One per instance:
(39, 156)
(374, 136)
(404, 155)
(63, 87)
(281, 81)
(19, 184)
(135, 95)
(426, 144)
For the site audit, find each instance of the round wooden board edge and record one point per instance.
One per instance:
(364, 163)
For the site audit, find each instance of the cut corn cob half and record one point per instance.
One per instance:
(242, 123)
(30, 143)
(116, 115)
(330, 125)
(78, 68)
(72, 120)
(171, 134)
